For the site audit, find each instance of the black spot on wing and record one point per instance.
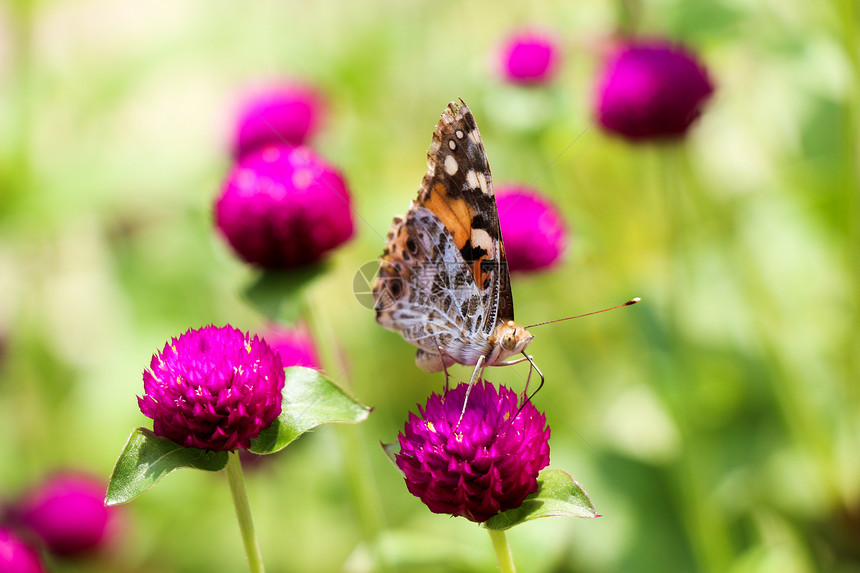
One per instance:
(489, 266)
(468, 120)
(484, 220)
(471, 253)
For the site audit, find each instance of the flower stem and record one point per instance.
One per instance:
(503, 551)
(850, 182)
(629, 12)
(243, 512)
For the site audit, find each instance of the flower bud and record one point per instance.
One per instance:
(281, 114)
(651, 89)
(68, 513)
(16, 556)
(529, 57)
(284, 207)
(534, 233)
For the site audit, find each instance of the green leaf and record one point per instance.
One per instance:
(278, 294)
(310, 399)
(558, 495)
(147, 458)
(390, 450)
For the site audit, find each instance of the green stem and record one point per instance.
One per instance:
(848, 16)
(243, 512)
(850, 182)
(629, 13)
(503, 551)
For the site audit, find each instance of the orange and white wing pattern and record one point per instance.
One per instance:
(443, 280)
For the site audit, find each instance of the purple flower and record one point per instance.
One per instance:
(487, 464)
(213, 388)
(16, 556)
(294, 345)
(284, 207)
(529, 57)
(651, 89)
(280, 114)
(534, 233)
(68, 513)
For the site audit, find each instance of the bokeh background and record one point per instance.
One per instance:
(716, 425)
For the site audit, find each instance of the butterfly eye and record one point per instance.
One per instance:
(509, 341)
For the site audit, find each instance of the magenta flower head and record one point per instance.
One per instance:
(213, 388)
(283, 207)
(534, 233)
(16, 556)
(529, 57)
(651, 89)
(487, 464)
(294, 345)
(68, 513)
(280, 114)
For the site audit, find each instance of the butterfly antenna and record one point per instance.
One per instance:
(628, 303)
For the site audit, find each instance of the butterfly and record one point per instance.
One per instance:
(443, 281)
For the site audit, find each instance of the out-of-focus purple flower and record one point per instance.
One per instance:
(487, 464)
(294, 345)
(213, 388)
(651, 89)
(281, 114)
(283, 207)
(68, 513)
(534, 233)
(16, 556)
(529, 57)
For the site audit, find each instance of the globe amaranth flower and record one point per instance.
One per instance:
(287, 113)
(283, 207)
(213, 388)
(16, 556)
(651, 89)
(529, 57)
(486, 464)
(68, 513)
(534, 233)
(294, 345)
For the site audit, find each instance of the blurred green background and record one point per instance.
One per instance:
(716, 425)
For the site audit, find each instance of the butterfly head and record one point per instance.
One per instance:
(511, 339)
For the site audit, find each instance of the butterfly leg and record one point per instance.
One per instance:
(526, 358)
(525, 390)
(535, 366)
(476, 375)
(526, 387)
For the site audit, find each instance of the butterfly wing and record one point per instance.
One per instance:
(458, 188)
(425, 292)
(443, 280)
